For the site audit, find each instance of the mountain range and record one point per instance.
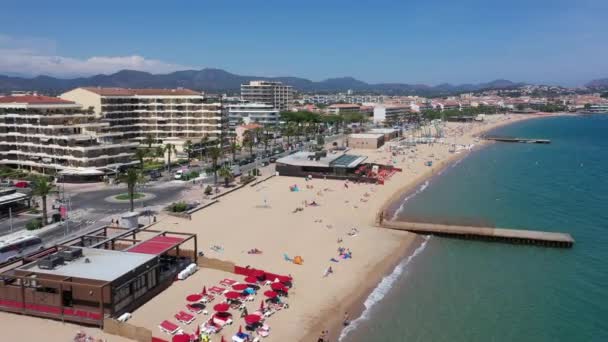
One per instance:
(217, 80)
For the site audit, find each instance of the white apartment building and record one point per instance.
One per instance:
(276, 94)
(174, 114)
(343, 108)
(390, 114)
(50, 135)
(244, 112)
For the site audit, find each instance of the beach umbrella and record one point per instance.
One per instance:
(270, 294)
(222, 307)
(198, 330)
(194, 297)
(251, 280)
(277, 286)
(252, 319)
(240, 329)
(262, 306)
(240, 287)
(223, 339)
(232, 295)
(204, 290)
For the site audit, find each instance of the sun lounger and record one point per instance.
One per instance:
(169, 328)
(184, 317)
(208, 298)
(263, 333)
(228, 282)
(217, 290)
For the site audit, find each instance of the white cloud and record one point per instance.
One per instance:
(36, 56)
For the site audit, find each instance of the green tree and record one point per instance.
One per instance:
(169, 149)
(42, 188)
(203, 144)
(234, 147)
(215, 153)
(149, 140)
(188, 147)
(249, 140)
(140, 155)
(132, 178)
(160, 151)
(226, 173)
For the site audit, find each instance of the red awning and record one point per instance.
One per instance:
(252, 319)
(240, 287)
(222, 307)
(232, 295)
(156, 245)
(270, 294)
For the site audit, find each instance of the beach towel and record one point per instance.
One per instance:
(298, 260)
(287, 258)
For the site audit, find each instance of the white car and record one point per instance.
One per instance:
(179, 174)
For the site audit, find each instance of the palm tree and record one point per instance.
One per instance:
(215, 153)
(188, 149)
(169, 148)
(132, 177)
(226, 173)
(42, 188)
(249, 141)
(141, 154)
(149, 140)
(234, 147)
(203, 144)
(160, 151)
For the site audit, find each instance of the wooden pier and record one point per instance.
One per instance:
(518, 140)
(516, 236)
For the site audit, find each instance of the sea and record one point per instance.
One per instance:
(461, 290)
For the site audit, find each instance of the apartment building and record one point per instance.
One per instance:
(244, 112)
(390, 114)
(276, 94)
(343, 108)
(50, 135)
(174, 114)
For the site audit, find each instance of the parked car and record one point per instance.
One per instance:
(179, 174)
(272, 160)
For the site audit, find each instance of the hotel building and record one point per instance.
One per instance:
(390, 114)
(243, 112)
(161, 113)
(49, 135)
(276, 94)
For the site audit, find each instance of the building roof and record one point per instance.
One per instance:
(34, 99)
(251, 126)
(366, 135)
(103, 264)
(331, 160)
(156, 245)
(344, 105)
(141, 91)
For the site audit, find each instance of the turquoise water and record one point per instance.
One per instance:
(458, 290)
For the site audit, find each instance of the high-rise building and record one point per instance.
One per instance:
(276, 94)
(159, 113)
(49, 135)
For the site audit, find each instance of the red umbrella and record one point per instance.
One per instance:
(252, 319)
(277, 286)
(270, 294)
(240, 287)
(222, 307)
(181, 338)
(251, 280)
(262, 305)
(240, 329)
(232, 295)
(223, 339)
(284, 279)
(194, 297)
(204, 290)
(198, 331)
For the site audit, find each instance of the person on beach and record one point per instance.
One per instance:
(345, 321)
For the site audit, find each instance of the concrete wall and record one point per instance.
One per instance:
(366, 143)
(85, 98)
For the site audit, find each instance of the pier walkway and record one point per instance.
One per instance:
(518, 140)
(515, 236)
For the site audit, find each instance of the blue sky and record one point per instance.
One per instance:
(549, 41)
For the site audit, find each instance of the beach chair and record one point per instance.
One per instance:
(228, 282)
(184, 317)
(169, 328)
(208, 298)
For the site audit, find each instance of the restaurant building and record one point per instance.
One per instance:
(320, 165)
(102, 274)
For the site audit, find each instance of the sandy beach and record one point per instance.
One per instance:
(263, 217)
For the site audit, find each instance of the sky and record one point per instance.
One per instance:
(428, 42)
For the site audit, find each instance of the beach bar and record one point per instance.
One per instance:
(321, 165)
(101, 274)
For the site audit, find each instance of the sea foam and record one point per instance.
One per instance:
(382, 289)
(422, 187)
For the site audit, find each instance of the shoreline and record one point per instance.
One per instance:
(333, 322)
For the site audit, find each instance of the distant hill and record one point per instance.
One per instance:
(217, 80)
(601, 83)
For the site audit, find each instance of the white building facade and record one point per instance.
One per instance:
(276, 94)
(244, 112)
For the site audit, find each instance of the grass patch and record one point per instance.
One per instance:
(125, 196)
